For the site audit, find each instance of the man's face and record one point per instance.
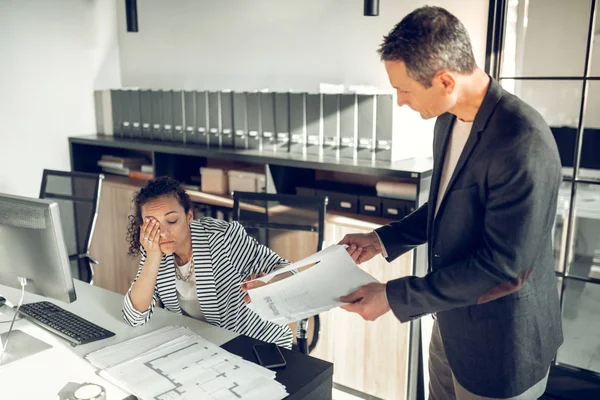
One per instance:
(429, 102)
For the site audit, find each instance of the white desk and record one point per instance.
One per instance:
(43, 375)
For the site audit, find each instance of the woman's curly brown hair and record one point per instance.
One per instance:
(162, 186)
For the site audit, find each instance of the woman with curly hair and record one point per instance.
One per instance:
(195, 267)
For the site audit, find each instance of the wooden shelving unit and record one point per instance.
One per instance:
(378, 358)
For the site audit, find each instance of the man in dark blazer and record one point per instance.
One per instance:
(488, 222)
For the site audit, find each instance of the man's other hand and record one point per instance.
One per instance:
(369, 301)
(362, 246)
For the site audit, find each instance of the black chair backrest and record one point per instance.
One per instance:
(267, 216)
(267, 212)
(77, 195)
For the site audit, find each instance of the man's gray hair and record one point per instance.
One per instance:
(428, 40)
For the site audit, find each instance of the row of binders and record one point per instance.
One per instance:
(341, 125)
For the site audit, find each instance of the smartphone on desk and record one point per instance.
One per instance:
(269, 355)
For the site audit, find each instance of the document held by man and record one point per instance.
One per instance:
(311, 291)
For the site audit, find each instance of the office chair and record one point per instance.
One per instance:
(294, 227)
(77, 195)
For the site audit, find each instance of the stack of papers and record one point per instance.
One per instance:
(174, 363)
(309, 292)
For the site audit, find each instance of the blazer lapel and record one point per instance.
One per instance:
(165, 284)
(481, 118)
(204, 273)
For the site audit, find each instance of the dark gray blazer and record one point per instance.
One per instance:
(491, 269)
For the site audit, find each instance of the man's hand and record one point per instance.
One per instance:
(369, 301)
(362, 246)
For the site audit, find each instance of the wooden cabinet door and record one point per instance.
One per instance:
(370, 357)
(116, 269)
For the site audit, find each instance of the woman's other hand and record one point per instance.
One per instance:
(247, 285)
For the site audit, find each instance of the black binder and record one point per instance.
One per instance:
(135, 114)
(240, 126)
(347, 125)
(189, 116)
(167, 115)
(125, 103)
(156, 114)
(117, 113)
(267, 112)
(366, 126)
(178, 123)
(297, 122)
(253, 118)
(226, 98)
(201, 117)
(313, 123)
(214, 119)
(146, 113)
(384, 127)
(331, 135)
(282, 122)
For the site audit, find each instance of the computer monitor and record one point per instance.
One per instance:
(32, 246)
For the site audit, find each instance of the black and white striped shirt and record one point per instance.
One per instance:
(224, 255)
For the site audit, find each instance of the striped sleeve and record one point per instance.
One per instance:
(249, 256)
(130, 314)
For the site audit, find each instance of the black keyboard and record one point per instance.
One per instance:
(64, 323)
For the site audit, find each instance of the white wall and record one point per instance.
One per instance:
(275, 44)
(279, 45)
(54, 54)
